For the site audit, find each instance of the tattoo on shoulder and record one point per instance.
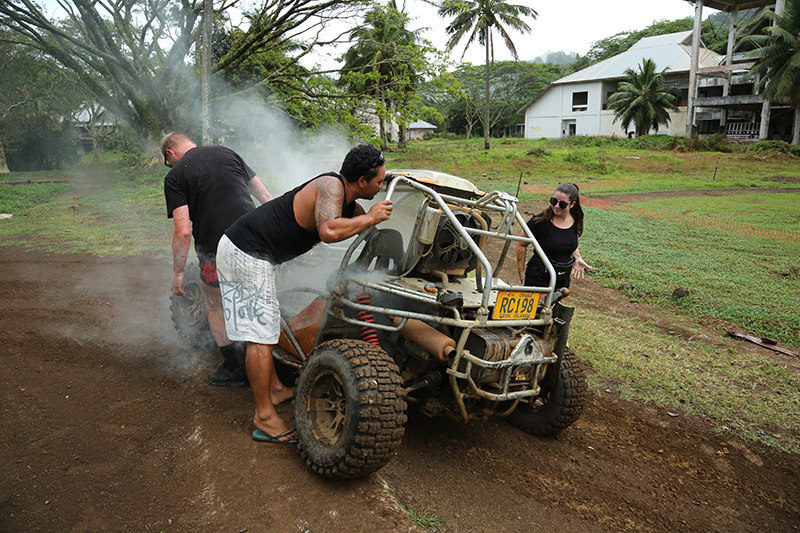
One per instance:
(329, 201)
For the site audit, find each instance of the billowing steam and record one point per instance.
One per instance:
(281, 155)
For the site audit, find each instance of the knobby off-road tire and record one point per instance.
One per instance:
(349, 410)
(558, 407)
(189, 315)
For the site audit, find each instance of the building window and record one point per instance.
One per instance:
(580, 101)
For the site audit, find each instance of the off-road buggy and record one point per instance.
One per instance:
(416, 313)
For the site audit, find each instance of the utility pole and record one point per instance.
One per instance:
(208, 22)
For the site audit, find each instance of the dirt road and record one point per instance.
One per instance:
(109, 425)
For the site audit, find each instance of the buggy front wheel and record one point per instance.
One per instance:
(349, 410)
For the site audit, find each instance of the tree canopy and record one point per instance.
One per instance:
(380, 63)
(513, 84)
(36, 99)
(137, 57)
(478, 20)
(778, 59)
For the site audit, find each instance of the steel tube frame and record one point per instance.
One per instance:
(497, 202)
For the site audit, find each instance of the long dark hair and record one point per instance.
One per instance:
(571, 190)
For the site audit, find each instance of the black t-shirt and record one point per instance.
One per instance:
(558, 245)
(212, 181)
(271, 231)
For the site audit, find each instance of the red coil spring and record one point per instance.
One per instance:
(367, 334)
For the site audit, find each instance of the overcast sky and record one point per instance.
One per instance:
(562, 25)
(566, 25)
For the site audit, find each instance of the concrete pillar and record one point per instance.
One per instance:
(780, 7)
(726, 87)
(698, 19)
(766, 107)
(763, 130)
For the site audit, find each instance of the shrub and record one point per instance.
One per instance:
(41, 144)
(586, 141)
(775, 147)
(589, 160)
(538, 152)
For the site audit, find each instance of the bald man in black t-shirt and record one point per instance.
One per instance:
(207, 189)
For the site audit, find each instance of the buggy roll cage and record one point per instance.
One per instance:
(527, 353)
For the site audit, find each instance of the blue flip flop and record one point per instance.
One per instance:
(263, 436)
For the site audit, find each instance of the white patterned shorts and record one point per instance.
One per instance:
(249, 298)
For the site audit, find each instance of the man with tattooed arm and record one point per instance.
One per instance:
(322, 209)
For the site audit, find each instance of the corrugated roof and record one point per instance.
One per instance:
(421, 125)
(672, 52)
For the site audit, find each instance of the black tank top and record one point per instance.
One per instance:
(271, 231)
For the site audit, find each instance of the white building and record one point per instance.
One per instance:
(418, 129)
(577, 104)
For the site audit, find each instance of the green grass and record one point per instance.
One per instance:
(747, 281)
(424, 519)
(105, 211)
(16, 197)
(627, 168)
(749, 397)
(762, 209)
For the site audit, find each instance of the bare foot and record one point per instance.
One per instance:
(278, 397)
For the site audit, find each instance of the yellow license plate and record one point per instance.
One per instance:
(515, 305)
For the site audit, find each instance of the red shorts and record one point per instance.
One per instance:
(209, 274)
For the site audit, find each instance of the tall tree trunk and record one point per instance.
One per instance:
(3, 162)
(93, 131)
(486, 111)
(401, 134)
(382, 128)
(795, 128)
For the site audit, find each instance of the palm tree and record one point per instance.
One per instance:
(379, 58)
(643, 99)
(478, 19)
(778, 59)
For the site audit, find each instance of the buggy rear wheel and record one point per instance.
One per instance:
(189, 315)
(560, 405)
(349, 410)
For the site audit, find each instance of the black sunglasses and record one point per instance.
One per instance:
(166, 163)
(560, 203)
(379, 161)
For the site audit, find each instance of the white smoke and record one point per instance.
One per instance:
(282, 155)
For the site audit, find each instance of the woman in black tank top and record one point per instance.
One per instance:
(556, 230)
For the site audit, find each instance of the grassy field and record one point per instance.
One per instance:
(100, 210)
(747, 280)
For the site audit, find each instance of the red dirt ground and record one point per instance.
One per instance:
(109, 425)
